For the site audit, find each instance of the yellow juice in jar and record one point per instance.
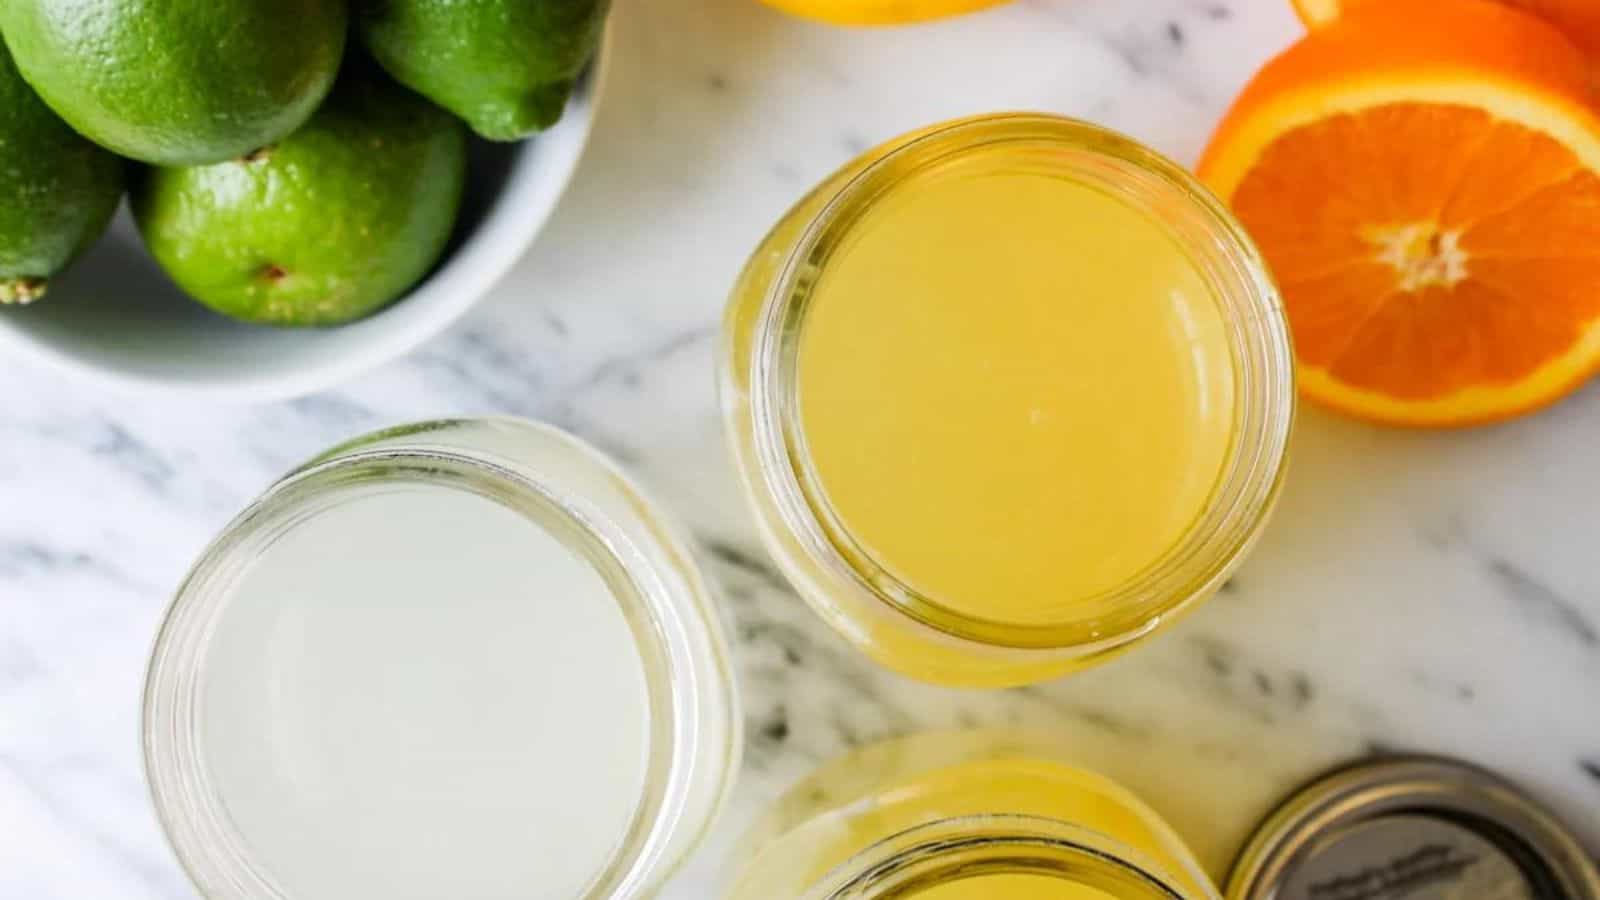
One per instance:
(1014, 786)
(1010, 887)
(987, 788)
(1006, 395)
(1015, 388)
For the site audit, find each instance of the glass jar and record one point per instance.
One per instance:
(254, 792)
(874, 604)
(964, 816)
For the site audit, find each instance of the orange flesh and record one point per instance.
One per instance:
(1422, 274)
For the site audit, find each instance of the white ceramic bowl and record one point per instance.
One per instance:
(116, 318)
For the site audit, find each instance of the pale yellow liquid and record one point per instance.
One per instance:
(1016, 390)
(1015, 786)
(890, 788)
(1011, 887)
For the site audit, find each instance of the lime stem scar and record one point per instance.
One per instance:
(21, 291)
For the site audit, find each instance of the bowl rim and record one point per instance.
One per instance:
(490, 254)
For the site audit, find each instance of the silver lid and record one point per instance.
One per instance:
(1412, 828)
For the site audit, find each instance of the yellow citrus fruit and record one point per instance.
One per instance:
(879, 12)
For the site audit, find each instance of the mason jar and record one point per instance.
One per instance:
(458, 658)
(964, 816)
(966, 636)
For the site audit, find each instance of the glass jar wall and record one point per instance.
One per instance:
(460, 658)
(1006, 395)
(963, 816)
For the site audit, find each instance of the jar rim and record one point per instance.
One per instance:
(213, 852)
(938, 852)
(1253, 467)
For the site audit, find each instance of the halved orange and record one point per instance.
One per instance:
(1424, 181)
(1580, 19)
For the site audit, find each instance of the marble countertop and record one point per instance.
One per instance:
(1434, 592)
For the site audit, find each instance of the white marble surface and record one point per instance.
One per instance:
(1427, 591)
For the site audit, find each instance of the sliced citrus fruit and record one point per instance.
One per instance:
(1429, 200)
(1580, 19)
(879, 12)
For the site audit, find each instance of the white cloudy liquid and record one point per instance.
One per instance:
(422, 694)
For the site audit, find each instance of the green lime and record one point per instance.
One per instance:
(505, 66)
(178, 82)
(59, 189)
(324, 227)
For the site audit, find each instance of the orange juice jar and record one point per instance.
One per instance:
(965, 816)
(1007, 394)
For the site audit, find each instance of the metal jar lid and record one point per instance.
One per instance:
(1412, 828)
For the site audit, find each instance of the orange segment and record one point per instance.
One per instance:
(1580, 19)
(1429, 200)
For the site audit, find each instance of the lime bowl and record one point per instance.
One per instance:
(115, 318)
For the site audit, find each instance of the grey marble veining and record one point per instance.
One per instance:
(1416, 591)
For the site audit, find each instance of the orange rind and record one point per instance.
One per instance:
(1579, 19)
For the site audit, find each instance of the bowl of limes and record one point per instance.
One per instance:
(257, 199)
